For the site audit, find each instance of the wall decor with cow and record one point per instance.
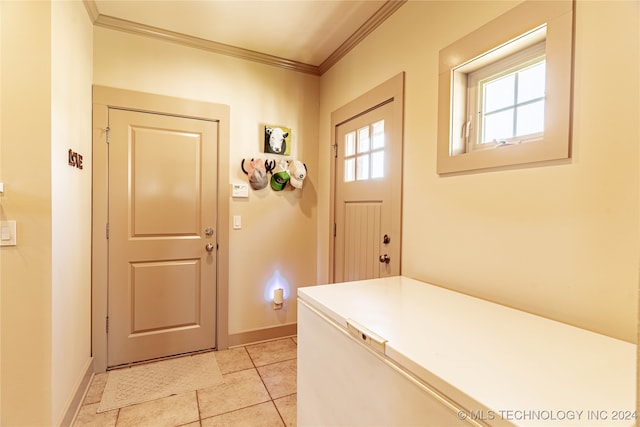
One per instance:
(277, 140)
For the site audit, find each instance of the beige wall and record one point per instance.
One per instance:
(560, 239)
(45, 282)
(278, 229)
(26, 174)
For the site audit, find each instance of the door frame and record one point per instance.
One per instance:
(103, 99)
(390, 90)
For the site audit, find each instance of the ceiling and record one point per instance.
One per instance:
(305, 35)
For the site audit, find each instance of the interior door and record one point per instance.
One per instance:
(368, 184)
(161, 235)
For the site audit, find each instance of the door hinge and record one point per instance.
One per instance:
(334, 229)
(335, 150)
(106, 131)
(107, 231)
(107, 324)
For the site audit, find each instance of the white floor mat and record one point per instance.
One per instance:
(156, 380)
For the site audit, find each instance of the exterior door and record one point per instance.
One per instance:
(161, 236)
(368, 184)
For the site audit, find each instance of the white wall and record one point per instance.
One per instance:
(71, 77)
(278, 229)
(559, 239)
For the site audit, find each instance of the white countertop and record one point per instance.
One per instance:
(503, 364)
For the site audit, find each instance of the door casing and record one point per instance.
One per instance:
(103, 98)
(392, 89)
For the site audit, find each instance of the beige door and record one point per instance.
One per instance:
(368, 184)
(162, 241)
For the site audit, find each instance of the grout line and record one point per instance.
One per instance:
(198, 405)
(284, 423)
(264, 384)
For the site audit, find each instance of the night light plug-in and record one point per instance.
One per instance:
(278, 298)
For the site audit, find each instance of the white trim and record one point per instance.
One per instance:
(75, 402)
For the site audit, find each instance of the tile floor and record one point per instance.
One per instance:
(259, 389)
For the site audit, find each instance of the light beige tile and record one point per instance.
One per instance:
(280, 378)
(233, 360)
(240, 390)
(87, 417)
(273, 351)
(94, 394)
(264, 414)
(193, 424)
(287, 406)
(169, 411)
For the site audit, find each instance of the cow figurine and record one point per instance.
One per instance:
(275, 140)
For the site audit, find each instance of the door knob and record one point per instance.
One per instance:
(385, 258)
(209, 247)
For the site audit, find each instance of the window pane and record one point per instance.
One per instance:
(363, 167)
(378, 135)
(377, 164)
(363, 139)
(350, 144)
(498, 126)
(531, 83)
(349, 170)
(499, 93)
(530, 118)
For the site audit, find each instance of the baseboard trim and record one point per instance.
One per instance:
(76, 401)
(265, 334)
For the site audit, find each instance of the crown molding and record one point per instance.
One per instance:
(92, 10)
(381, 15)
(106, 21)
(110, 22)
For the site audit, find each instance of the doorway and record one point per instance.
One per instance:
(160, 233)
(367, 184)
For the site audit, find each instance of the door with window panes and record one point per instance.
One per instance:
(368, 195)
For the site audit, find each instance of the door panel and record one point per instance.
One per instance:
(362, 234)
(151, 282)
(164, 159)
(368, 173)
(162, 197)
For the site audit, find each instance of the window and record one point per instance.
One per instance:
(506, 100)
(505, 90)
(364, 153)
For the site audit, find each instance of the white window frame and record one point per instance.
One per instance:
(370, 152)
(525, 25)
(476, 81)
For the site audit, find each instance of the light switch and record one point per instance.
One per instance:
(7, 233)
(237, 222)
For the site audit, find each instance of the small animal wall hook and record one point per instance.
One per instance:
(270, 165)
(243, 169)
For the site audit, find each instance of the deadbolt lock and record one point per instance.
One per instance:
(208, 231)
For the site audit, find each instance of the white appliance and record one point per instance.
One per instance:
(399, 352)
